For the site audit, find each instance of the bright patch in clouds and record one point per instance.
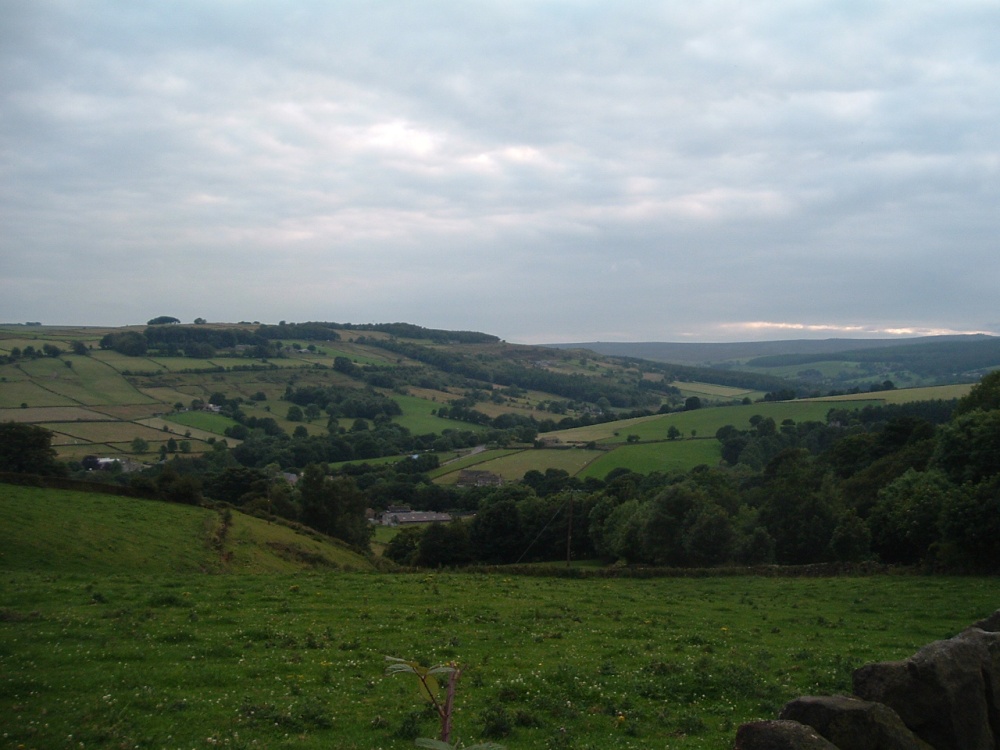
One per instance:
(741, 330)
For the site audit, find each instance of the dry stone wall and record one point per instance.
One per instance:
(944, 697)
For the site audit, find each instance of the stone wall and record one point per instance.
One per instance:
(944, 697)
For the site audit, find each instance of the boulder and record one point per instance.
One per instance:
(779, 735)
(946, 693)
(990, 624)
(853, 724)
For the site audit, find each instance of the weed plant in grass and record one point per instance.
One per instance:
(196, 661)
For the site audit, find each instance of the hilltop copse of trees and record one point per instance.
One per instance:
(166, 337)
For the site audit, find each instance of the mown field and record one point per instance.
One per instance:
(198, 661)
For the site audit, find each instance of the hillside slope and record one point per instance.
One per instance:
(80, 532)
(936, 348)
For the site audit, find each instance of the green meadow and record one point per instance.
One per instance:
(297, 660)
(512, 465)
(136, 623)
(645, 458)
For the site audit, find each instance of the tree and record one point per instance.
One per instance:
(673, 432)
(444, 545)
(968, 448)
(691, 403)
(178, 488)
(27, 449)
(709, 537)
(984, 395)
(199, 321)
(851, 539)
(237, 485)
(334, 506)
(162, 320)
(799, 506)
(496, 533)
(970, 525)
(79, 348)
(139, 445)
(906, 519)
(402, 548)
(129, 343)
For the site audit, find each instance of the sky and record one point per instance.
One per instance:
(550, 171)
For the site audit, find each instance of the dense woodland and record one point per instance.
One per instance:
(915, 484)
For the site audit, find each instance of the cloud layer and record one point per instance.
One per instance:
(562, 170)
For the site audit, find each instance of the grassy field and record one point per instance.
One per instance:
(195, 661)
(906, 395)
(130, 623)
(419, 420)
(704, 422)
(644, 458)
(514, 465)
(713, 391)
(470, 460)
(61, 530)
(202, 420)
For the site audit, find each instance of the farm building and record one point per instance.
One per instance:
(404, 517)
(478, 478)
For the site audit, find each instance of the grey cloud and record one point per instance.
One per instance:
(643, 170)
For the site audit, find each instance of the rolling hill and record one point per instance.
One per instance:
(836, 362)
(340, 393)
(84, 532)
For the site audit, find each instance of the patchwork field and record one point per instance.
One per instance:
(59, 392)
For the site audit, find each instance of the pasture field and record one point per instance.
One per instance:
(16, 390)
(714, 391)
(830, 368)
(51, 414)
(106, 432)
(469, 460)
(645, 458)
(514, 465)
(87, 382)
(704, 422)
(203, 420)
(655, 452)
(905, 395)
(119, 361)
(177, 660)
(417, 417)
(88, 533)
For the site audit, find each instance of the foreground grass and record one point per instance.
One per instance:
(196, 661)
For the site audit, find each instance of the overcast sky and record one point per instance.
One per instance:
(544, 171)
